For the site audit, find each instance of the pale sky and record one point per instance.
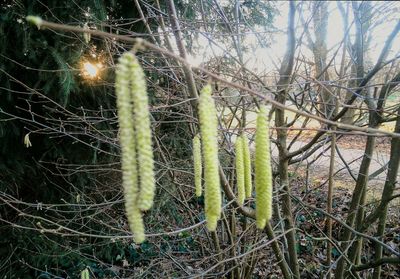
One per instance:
(262, 59)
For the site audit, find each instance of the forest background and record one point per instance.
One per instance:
(329, 71)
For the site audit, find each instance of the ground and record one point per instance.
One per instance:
(313, 188)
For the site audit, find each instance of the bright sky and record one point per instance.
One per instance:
(263, 59)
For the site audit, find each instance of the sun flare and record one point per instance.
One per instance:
(90, 70)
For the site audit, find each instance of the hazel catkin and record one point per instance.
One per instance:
(143, 135)
(197, 164)
(128, 146)
(240, 172)
(85, 274)
(136, 224)
(209, 138)
(247, 166)
(263, 171)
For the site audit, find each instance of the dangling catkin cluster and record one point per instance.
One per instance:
(135, 141)
(197, 164)
(209, 138)
(247, 166)
(240, 172)
(143, 135)
(263, 171)
(128, 146)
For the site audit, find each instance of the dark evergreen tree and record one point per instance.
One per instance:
(67, 118)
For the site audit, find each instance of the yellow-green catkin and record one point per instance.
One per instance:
(209, 138)
(240, 176)
(85, 274)
(247, 166)
(35, 20)
(197, 164)
(143, 135)
(136, 224)
(263, 170)
(127, 142)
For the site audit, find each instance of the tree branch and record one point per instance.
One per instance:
(382, 261)
(141, 42)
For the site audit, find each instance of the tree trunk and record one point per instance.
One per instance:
(362, 17)
(320, 11)
(355, 201)
(285, 73)
(388, 189)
